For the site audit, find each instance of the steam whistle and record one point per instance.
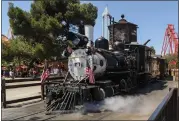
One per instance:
(147, 42)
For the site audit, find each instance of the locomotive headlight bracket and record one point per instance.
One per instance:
(88, 51)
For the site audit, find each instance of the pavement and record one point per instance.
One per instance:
(131, 107)
(17, 93)
(22, 92)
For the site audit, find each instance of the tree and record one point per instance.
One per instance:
(44, 23)
(153, 50)
(169, 58)
(17, 49)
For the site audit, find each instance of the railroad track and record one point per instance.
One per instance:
(41, 116)
(29, 115)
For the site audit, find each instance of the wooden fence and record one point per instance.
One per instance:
(4, 87)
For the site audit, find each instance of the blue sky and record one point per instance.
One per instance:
(150, 16)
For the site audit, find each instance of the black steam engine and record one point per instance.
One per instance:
(101, 69)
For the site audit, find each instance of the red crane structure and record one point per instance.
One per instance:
(171, 40)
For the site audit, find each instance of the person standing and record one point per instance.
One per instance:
(11, 74)
(170, 72)
(34, 73)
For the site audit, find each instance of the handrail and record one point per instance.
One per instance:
(166, 109)
(161, 105)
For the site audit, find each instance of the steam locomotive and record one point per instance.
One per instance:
(101, 69)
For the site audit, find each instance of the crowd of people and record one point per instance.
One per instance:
(35, 72)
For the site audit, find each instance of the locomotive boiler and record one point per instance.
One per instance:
(100, 60)
(101, 69)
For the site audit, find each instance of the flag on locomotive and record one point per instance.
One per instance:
(90, 74)
(45, 75)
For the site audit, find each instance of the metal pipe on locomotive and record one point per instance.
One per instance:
(122, 68)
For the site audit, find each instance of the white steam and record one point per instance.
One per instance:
(123, 107)
(142, 105)
(139, 105)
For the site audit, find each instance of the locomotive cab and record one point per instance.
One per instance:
(143, 56)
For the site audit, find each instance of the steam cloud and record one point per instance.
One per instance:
(130, 104)
(142, 104)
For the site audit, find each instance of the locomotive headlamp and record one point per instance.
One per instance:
(86, 39)
(76, 41)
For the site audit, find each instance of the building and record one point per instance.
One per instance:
(105, 23)
(4, 38)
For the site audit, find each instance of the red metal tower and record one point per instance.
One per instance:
(171, 39)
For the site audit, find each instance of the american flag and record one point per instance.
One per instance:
(45, 75)
(89, 72)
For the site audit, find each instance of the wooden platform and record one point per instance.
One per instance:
(131, 107)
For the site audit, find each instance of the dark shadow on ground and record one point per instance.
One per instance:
(34, 118)
(152, 86)
(169, 78)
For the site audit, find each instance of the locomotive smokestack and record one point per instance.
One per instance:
(89, 32)
(147, 42)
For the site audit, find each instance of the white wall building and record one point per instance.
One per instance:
(105, 23)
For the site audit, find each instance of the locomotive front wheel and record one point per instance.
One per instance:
(49, 99)
(109, 91)
(99, 94)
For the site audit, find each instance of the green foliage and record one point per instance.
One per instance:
(153, 50)
(20, 21)
(5, 53)
(85, 12)
(171, 57)
(43, 24)
(4, 63)
(19, 49)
